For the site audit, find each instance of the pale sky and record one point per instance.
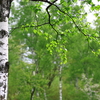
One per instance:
(91, 16)
(96, 2)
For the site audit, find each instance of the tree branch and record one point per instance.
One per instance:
(27, 26)
(52, 3)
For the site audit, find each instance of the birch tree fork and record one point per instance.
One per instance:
(4, 64)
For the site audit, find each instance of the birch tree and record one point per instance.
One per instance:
(4, 15)
(4, 64)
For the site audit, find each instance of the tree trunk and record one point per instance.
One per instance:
(45, 95)
(60, 83)
(4, 64)
(32, 93)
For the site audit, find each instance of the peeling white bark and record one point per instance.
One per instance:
(60, 90)
(3, 60)
(4, 25)
(4, 64)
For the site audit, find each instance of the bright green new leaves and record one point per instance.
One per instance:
(96, 7)
(55, 47)
(51, 46)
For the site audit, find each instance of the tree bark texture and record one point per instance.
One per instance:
(4, 64)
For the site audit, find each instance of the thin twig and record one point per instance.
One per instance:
(47, 9)
(49, 20)
(22, 26)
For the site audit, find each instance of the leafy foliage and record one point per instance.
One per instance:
(44, 40)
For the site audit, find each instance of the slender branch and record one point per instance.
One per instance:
(55, 31)
(89, 44)
(49, 20)
(22, 26)
(47, 9)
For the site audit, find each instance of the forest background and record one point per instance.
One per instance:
(54, 51)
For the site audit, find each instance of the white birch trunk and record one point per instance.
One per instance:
(60, 83)
(3, 59)
(4, 64)
(45, 95)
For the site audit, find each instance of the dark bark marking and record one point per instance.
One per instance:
(32, 93)
(1, 68)
(2, 97)
(2, 13)
(4, 6)
(4, 87)
(1, 43)
(0, 53)
(2, 60)
(3, 33)
(6, 68)
(1, 83)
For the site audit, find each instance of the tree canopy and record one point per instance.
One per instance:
(52, 42)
